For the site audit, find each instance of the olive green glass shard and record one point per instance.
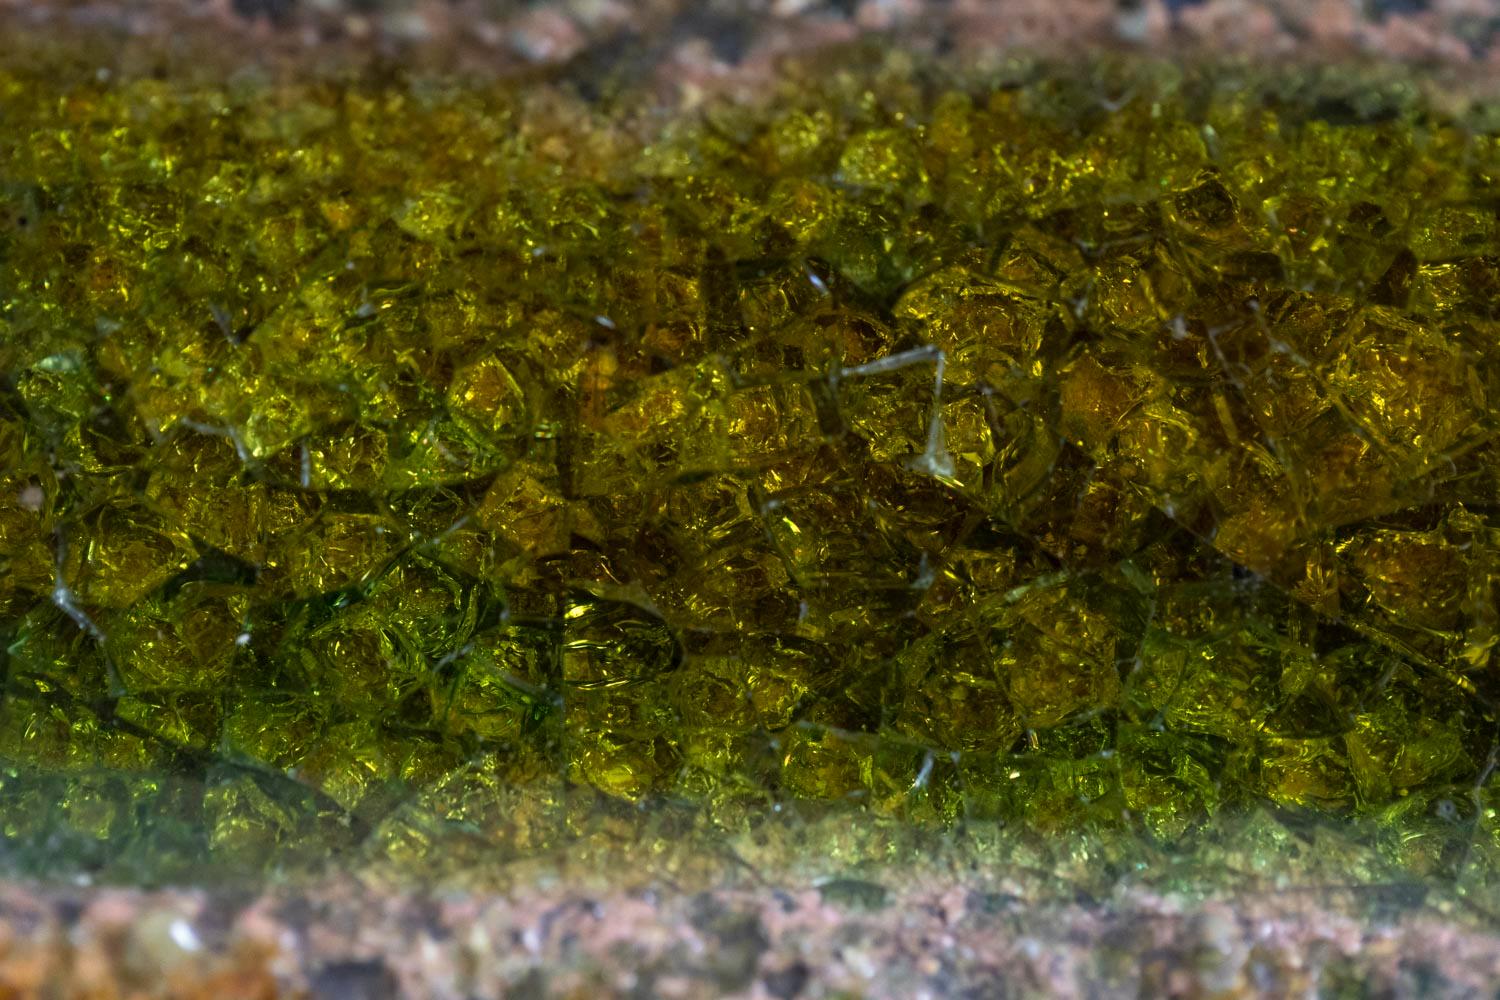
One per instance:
(408, 462)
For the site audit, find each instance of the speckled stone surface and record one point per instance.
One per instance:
(723, 37)
(882, 937)
(800, 907)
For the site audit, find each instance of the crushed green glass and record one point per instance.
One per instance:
(403, 461)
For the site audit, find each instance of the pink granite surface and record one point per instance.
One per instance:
(942, 938)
